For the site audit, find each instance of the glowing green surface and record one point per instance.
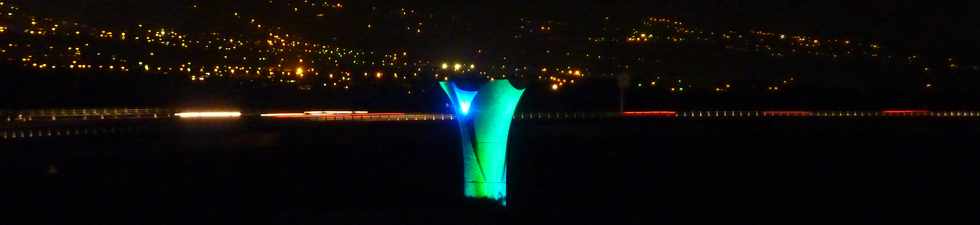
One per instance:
(484, 125)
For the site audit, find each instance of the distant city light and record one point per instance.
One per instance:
(267, 52)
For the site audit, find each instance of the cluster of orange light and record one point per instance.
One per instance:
(723, 88)
(642, 37)
(268, 60)
(781, 45)
(775, 44)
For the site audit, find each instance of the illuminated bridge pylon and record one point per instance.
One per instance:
(484, 118)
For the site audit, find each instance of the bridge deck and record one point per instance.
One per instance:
(75, 122)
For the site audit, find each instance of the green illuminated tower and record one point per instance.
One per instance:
(484, 117)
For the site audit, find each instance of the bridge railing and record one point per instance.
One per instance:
(28, 133)
(10, 116)
(83, 113)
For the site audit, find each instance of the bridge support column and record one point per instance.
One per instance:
(484, 118)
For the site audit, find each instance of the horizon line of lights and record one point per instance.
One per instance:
(789, 113)
(334, 112)
(311, 114)
(904, 111)
(664, 113)
(801, 113)
(208, 114)
(328, 114)
(357, 115)
(651, 113)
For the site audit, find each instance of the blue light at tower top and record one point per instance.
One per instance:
(464, 98)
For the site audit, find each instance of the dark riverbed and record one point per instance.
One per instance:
(786, 171)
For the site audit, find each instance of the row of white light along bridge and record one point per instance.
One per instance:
(365, 115)
(343, 115)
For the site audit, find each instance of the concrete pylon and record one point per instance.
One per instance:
(484, 118)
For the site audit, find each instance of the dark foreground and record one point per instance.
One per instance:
(788, 171)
